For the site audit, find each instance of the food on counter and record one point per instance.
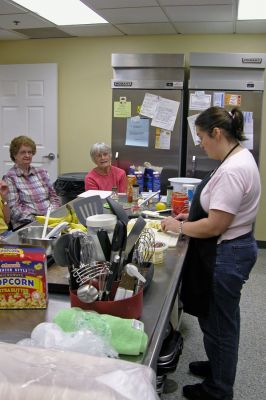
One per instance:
(70, 217)
(160, 206)
(22, 277)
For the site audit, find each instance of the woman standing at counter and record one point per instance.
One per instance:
(222, 249)
(4, 209)
(30, 189)
(105, 176)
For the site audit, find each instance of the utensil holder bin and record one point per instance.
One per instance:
(126, 308)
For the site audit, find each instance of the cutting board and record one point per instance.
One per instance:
(170, 238)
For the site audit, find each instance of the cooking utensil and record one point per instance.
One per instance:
(145, 247)
(132, 270)
(60, 256)
(105, 243)
(118, 210)
(33, 235)
(87, 293)
(56, 230)
(117, 241)
(85, 207)
(46, 222)
(134, 235)
(152, 214)
(148, 198)
(111, 277)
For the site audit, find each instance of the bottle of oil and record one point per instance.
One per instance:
(114, 194)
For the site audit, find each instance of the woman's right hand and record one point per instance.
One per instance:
(181, 217)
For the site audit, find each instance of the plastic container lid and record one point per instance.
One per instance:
(101, 221)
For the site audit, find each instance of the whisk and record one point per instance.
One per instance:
(145, 247)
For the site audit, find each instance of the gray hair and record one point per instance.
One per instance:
(98, 148)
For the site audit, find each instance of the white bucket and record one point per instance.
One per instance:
(178, 183)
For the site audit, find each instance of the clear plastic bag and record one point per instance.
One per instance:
(50, 336)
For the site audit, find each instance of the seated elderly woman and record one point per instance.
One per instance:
(30, 189)
(105, 176)
(4, 209)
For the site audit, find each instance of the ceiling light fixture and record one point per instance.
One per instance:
(63, 12)
(255, 9)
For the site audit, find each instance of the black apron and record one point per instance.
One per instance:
(197, 271)
(198, 267)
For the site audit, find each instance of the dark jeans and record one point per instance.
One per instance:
(234, 261)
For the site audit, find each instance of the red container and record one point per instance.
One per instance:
(126, 308)
(179, 203)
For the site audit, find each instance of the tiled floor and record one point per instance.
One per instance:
(251, 375)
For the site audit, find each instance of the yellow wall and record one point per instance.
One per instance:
(84, 92)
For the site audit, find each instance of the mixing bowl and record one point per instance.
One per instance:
(32, 235)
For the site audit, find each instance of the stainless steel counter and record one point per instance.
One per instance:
(158, 303)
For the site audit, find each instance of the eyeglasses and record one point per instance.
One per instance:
(24, 152)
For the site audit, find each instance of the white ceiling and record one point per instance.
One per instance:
(133, 17)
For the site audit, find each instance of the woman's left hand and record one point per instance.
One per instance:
(170, 224)
(3, 189)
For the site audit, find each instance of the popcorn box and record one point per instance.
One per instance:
(23, 282)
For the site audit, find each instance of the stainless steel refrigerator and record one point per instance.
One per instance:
(227, 80)
(135, 75)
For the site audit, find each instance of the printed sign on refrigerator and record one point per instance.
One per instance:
(165, 114)
(162, 139)
(137, 133)
(232, 99)
(199, 100)
(191, 123)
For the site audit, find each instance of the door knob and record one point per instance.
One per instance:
(50, 156)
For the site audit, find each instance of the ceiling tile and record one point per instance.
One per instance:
(28, 20)
(9, 8)
(199, 13)
(10, 35)
(191, 28)
(43, 33)
(258, 26)
(147, 29)
(134, 15)
(193, 2)
(101, 4)
(92, 30)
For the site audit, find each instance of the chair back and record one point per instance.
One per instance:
(167, 172)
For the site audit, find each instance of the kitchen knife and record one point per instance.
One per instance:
(134, 235)
(117, 241)
(105, 243)
(111, 277)
(118, 210)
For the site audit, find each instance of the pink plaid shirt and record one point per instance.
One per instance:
(29, 195)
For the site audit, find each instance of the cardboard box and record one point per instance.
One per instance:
(23, 273)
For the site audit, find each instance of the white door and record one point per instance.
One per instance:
(28, 106)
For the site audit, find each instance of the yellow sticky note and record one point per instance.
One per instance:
(122, 109)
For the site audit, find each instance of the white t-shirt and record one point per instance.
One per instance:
(234, 188)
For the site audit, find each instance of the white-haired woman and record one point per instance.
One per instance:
(104, 176)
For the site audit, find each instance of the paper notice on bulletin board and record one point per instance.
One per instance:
(165, 114)
(248, 130)
(122, 109)
(137, 133)
(191, 123)
(199, 100)
(149, 105)
(162, 139)
(232, 99)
